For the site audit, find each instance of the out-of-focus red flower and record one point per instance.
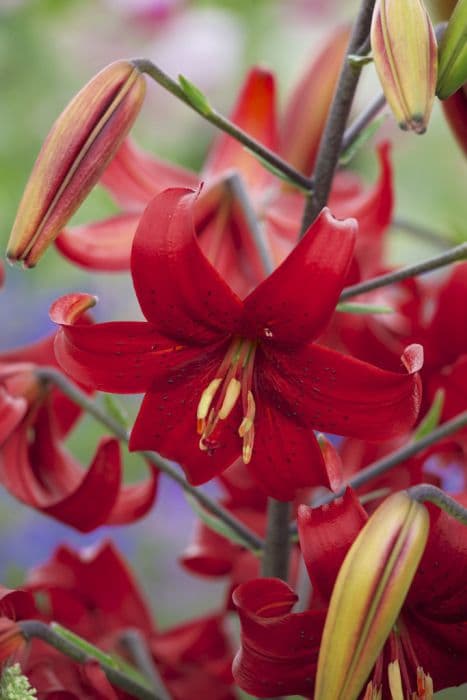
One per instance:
(36, 468)
(455, 110)
(95, 595)
(226, 376)
(280, 648)
(135, 177)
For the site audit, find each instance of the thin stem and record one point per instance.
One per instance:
(422, 232)
(362, 121)
(275, 561)
(222, 123)
(49, 374)
(450, 256)
(34, 629)
(135, 644)
(331, 141)
(428, 492)
(381, 466)
(240, 194)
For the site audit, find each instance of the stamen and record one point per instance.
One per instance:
(424, 685)
(372, 692)
(205, 403)
(395, 681)
(248, 419)
(248, 441)
(234, 388)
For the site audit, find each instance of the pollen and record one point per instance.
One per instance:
(233, 383)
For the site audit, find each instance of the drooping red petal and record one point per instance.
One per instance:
(16, 604)
(448, 336)
(167, 419)
(179, 291)
(309, 103)
(12, 410)
(102, 245)
(339, 394)
(255, 113)
(326, 533)
(286, 455)
(279, 649)
(296, 301)
(134, 177)
(120, 356)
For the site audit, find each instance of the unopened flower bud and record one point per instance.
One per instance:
(368, 594)
(452, 65)
(405, 56)
(78, 148)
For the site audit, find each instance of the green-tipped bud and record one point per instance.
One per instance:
(78, 148)
(452, 65)
(368, 594)
(405, 56)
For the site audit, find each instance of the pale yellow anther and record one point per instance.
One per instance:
(395, 681)
(424, 685)
(248, 441)
(206, 399)
(231, 395)
(372, 692)
(248, 419)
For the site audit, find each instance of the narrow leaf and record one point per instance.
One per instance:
(195, 96)
(350, 308)
(431, 420)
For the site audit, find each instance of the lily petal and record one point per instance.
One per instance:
(296, 301)
(103, 245)
(120, 356)
(255, 113)
(178, 289)
(339, 394)
(279, 650)
(134, 177)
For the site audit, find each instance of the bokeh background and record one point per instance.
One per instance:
(48, 50)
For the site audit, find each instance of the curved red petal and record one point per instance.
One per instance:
(178, 289)
(12, 411)
(134, 500)
(102, 245)
(279, 649)
(167, 419)
(134, 177)
(447, 335)
(120, 356)
(255, 113)
(455, 111)
(308, 106)
(286, 455)
(279, 310)
(16, 604)
(326, 533)
(339, 394)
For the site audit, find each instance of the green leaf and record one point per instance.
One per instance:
(195, 96)
(459, 693)
(217, 525)
(364, 136)
(116, 411)
(357, 61)
(431, 420)
(350, 308)
(279, 173)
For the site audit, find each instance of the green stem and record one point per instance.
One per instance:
(136, 646)
(53, 376)
(450, 256)
(331, 141)
(146, 66)
(428, 492)
(362, 121)
(34, 629)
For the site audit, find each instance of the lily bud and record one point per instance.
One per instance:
(405, 56)
(368, 594)
(452, 66)
(78, 148)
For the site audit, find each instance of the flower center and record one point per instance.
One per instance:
(232, 382)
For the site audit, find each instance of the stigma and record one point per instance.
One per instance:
(232, 383)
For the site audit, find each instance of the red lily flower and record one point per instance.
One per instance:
(280, 648)
(37, 469)
(220, 371)
(134, 178)
(194, 659)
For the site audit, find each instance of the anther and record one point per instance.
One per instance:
(205, 403)
(230, 399)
